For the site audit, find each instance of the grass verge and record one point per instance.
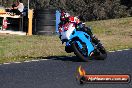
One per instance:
(115, 34)
(20, 48)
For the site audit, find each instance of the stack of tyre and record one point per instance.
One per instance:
(45, 22)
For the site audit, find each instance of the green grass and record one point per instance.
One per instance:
(115, 34)
(20, 48)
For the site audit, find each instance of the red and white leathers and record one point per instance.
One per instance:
(71, 19)
(74, 19)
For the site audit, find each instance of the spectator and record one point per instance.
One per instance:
(18, 7)
(14, 4)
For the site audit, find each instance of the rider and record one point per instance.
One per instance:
(65, 18)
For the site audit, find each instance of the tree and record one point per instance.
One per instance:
(86, 9)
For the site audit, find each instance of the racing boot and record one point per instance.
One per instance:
(95, 40)
(95, 53)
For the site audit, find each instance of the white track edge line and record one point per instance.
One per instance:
(119, 50)
(25, 61)
(52, 58)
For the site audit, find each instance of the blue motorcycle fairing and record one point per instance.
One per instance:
(80, 45)
(85, 38)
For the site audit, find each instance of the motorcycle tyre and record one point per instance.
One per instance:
(78, 54)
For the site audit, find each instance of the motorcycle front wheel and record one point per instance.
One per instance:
(82, 53)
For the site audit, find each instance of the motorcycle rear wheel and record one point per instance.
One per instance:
(103, 52)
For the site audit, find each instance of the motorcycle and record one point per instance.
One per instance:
(81, 43)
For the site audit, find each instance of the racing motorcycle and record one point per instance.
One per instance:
(81, 43)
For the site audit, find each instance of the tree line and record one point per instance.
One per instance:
(88, 9)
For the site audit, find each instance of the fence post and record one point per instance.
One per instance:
(57, 20)
(30, 17)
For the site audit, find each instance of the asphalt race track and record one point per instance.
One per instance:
(60, 72)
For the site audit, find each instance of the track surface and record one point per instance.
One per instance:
(60, 72)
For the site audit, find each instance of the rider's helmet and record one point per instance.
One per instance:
(64, 17)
